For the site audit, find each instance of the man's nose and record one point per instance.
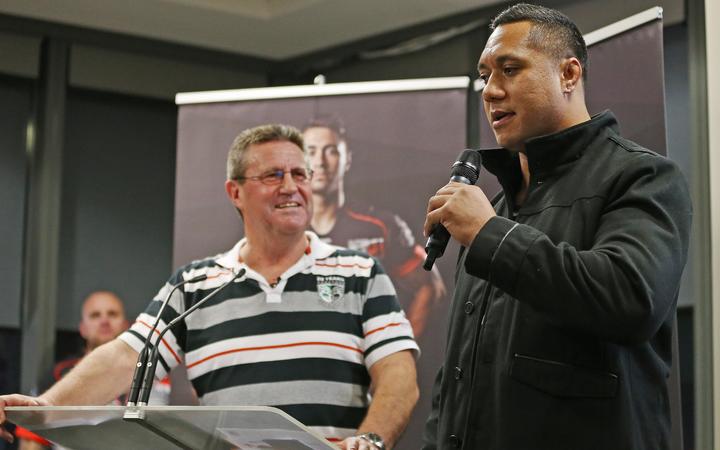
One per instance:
(492, 90)
(288, 183)
(318, 159)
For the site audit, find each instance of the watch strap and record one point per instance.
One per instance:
(374, 439)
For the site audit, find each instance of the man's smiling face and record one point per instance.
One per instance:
(281, 209)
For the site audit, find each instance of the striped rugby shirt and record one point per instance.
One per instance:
(304, 345)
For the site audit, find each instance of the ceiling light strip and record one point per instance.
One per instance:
(311, 90)
(623, 25)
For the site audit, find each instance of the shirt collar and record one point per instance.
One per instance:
(317, 249)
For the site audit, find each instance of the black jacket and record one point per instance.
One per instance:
(560, 328)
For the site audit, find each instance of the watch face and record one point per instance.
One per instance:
(375, 440)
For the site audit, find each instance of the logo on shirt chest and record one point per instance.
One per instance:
(330, 288)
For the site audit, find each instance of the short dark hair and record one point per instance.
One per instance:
(331, 122)
(552, 31)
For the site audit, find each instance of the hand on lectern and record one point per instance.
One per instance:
(16, 400)
(357, 443)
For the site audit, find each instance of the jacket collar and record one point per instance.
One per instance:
(545, 153)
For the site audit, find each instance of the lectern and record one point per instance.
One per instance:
(168, 428)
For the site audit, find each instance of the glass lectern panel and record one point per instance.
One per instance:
(168, 427)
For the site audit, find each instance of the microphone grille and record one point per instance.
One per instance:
(468, 165)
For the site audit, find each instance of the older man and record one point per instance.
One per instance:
(307, 329)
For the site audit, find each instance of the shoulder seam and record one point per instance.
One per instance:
(639, 149)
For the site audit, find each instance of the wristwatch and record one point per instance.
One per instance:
(374, 439)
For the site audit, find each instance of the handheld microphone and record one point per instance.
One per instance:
(155, 356)
(143, 356)
(465, 170)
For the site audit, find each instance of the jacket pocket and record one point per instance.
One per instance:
(562, 379)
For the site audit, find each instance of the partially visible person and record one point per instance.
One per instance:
(310, 328)
(561, 329)
(102, 320)
(379, 233)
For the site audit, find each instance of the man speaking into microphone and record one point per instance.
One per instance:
(566, 288)
(307, 328)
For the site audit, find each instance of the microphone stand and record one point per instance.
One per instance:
(136, 412)
(143, 356)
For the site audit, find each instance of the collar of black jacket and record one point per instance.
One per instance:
(547, 152)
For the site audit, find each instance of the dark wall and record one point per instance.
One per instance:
(118, 193)
(117, 206)
(9, 368)
(16, 101)
(677, 103)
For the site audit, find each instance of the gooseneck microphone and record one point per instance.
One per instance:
(143, 356)
(465, 170)
(151, 365)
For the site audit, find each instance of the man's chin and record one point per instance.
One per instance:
(294, 225)
(318, 186)
(327, 190)
(508, 144)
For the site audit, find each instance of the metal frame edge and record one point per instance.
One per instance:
(319, 90)
(628, 23)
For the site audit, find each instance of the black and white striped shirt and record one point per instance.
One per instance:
(304, 344)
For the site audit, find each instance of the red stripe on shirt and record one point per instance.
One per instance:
(343, 265)
(163, 341)
(272, 347)
(394, 324)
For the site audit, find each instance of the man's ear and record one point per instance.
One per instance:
(348, 163)
(233, 190)
(345, 156)
(82, 328)
(571, 73)
(234, 193)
